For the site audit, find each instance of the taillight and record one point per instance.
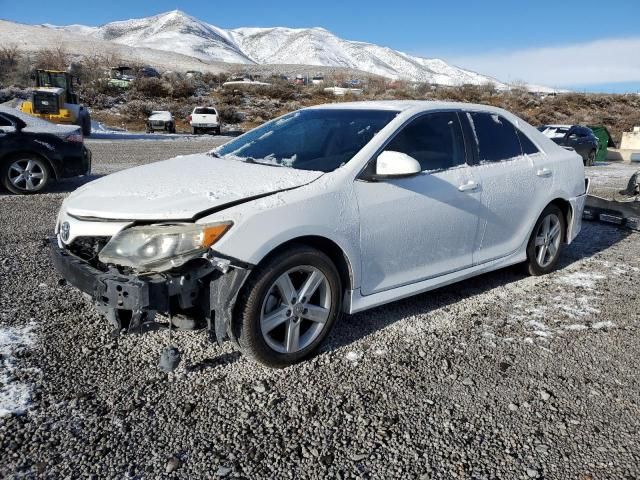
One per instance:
(189, 117)
(75, 138)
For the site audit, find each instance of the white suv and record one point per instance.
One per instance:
(204, 119)
(330, 209)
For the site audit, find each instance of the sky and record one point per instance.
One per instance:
(582, 45)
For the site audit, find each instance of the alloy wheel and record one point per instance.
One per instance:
(27, 174)
(295, 309)
(548, 238)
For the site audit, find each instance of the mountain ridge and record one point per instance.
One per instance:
(179, 32)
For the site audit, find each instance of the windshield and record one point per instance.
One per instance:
(316, 139)
(52, 79)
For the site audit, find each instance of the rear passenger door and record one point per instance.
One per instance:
(508, 185)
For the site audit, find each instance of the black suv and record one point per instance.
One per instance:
(33, 152)
(578, 137)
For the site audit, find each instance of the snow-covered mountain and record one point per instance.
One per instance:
(178, 32)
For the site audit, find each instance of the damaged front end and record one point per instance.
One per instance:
(203, 289)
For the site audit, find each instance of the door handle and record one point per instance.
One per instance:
(470, 186)
(544, 172)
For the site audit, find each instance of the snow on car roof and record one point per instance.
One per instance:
(404, 105)
(35, 124)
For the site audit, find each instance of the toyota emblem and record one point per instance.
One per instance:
(65, 228)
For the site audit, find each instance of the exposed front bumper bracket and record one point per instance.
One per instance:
(131, 299)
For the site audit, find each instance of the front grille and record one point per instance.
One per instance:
(157, 123)
(88, 248)
(45, 102)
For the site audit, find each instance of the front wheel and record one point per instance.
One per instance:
(288, 307)
(545, 244)
(25, 174)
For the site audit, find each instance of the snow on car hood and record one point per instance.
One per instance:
(162, 116)
(180, 188)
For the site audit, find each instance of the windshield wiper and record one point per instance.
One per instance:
(214, 154)
(267, 164)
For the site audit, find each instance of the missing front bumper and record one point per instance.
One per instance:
(128, 300)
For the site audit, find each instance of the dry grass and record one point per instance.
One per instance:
(248, 107)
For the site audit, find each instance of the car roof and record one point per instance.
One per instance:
(415, 106)
(35, 124)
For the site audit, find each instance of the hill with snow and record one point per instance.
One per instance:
(183, 34)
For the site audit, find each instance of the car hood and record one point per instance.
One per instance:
(162, 116)
(181, 188)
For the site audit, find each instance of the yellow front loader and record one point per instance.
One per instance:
(53, 99)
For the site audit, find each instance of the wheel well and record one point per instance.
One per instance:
(567, 212)
(329, 248)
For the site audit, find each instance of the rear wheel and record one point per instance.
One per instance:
(25, 174)
(195, 130)
(217, 131)
(288, 307)
(591, 158)
(86, 125)
(545, 244)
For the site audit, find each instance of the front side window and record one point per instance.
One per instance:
(316, 139)
(495, 136)
(435, 140)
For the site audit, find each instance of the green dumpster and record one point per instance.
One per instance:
(604, 142)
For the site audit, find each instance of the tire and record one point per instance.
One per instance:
(591, 159)
(15, 182)
(544, 248)
(86, 125)
(217, 131)
(195, 131)
(275, 343)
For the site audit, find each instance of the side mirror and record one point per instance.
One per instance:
(390, 164)
(20, 125)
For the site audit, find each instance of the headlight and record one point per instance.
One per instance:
(161, 247)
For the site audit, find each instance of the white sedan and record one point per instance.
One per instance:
(328, 210)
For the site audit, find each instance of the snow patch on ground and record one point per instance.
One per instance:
(353, 356)
(15, 396)
(601, 325)
(581, 279)
(572, 307)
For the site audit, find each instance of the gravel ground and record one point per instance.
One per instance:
(501, 376)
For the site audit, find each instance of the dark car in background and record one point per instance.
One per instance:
(34, 152)
(580, 138)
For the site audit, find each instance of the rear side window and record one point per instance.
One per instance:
(496, 138)
(584, 132)
(4, 122)
(527, 145)
(206, 111)
(435, 140)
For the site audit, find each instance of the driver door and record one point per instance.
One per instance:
(423, 226)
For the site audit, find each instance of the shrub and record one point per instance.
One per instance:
(230, 115)
(151, 87)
